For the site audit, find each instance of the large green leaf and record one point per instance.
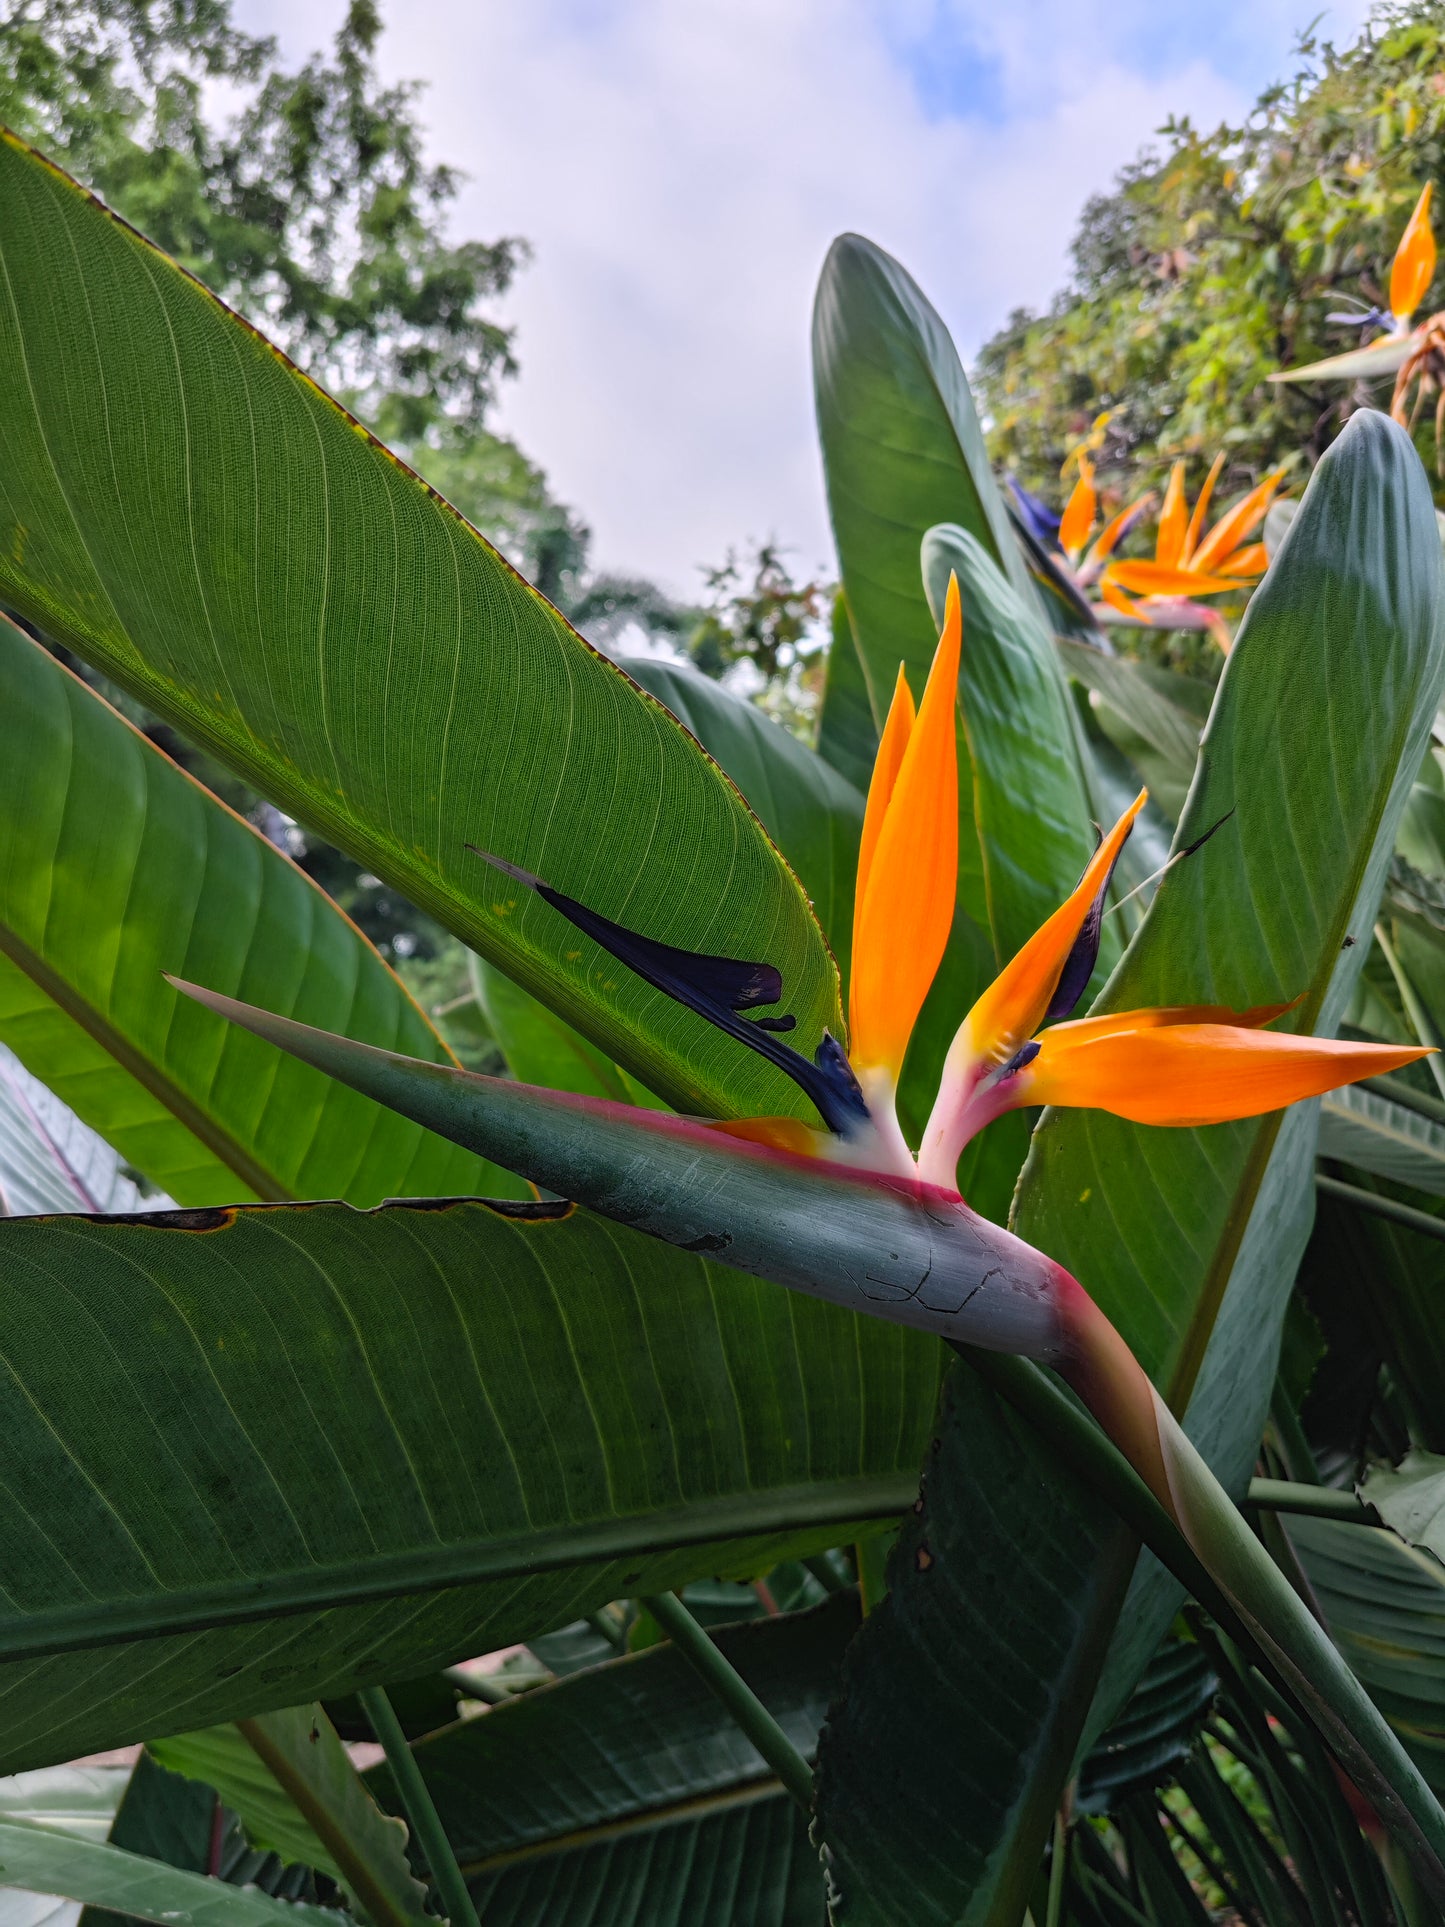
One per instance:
(631, 1779)
(1158, 1223)
(294, 1787)
(902, 451)
(812, 813)
(285, 1451)
(847, 733)
(105, 1876)
(191, 515)
(116, 866)
(1384, 1603)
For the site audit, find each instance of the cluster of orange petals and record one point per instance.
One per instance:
(1189, 562)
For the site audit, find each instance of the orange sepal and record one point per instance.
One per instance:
(778, 1133)
(1237, 524)
(1109, 535)
(1252, 559)
(1111, 593)
(1195, 1073)
(1013, 1006)
(1086, 1030)
(886, 765)
(1201, 509)
(1413, 268)
(1173, 520)
(906, 909)
(1152, 578)
(1081, 511)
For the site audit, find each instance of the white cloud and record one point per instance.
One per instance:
(681, 170)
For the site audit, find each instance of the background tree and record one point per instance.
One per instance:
(1218, 258)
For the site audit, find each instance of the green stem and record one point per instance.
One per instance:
(1399, 1092)
(1416, 1012)
(1055, 1911)
(825, 1572)
(425, 1821)
(1363, 1200)
(1312, 1501)
(736, 1695)
(1249, 1597)
(1300, 1459)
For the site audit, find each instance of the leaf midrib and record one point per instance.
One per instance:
(698, 1806)
(351, 1582)
(199, 1122)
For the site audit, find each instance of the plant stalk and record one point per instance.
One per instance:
(1382, 1207)
(1176, 1506)
(723, 1680)
(1311, 1501)
(425, 1820)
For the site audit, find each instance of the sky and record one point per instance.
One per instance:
(680, 170)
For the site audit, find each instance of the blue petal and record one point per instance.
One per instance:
(718, 988)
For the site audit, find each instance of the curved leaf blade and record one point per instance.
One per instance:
(1384, 1604)
(1360, 1127)
(320, 1448)
(116, 866)
(263, 574)
(902, 451)
(292, 1784)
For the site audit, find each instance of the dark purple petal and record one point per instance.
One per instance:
(1039, 519)
(717, 988)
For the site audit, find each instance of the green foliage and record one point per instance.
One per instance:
(313, 209)
(1216, 260)
(262, 1455)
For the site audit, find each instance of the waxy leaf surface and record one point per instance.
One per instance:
(320, 1448)
(191, 515)
(116, 866)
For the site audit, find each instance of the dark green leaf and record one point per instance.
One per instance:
(1155, 1729)
(630, 1781)
(1384, 1603)
(1360, 1127)
(902, 451)
(318, 1448)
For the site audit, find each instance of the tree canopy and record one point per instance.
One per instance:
(1220, 257)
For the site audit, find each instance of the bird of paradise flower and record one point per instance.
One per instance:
(843, 1209)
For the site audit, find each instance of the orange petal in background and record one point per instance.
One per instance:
(1173, 518)
(1081, 511)
(1201, 509)
(1414, 265)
